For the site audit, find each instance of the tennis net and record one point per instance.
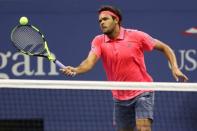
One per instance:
(57, 105)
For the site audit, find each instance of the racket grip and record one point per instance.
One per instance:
(58, 63)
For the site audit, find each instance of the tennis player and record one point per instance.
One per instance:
(122, 53)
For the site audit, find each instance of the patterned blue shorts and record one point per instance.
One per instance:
(126, 112)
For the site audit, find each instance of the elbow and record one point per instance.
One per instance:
(162, 47)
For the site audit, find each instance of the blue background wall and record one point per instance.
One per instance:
(69, 26)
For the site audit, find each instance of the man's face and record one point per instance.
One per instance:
(107, 23)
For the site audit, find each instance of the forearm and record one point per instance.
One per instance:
(84, 67)
(168, 52)
(171, 57)
(87, 64)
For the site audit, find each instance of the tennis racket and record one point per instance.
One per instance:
(30, 41)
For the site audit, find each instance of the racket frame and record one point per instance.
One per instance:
(48, 56)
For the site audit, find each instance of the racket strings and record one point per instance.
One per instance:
(28, 40)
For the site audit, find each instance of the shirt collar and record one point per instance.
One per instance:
(120, 36)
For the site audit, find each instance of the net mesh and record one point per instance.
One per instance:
(53, 105)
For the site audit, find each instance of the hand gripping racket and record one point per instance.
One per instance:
(29, 40)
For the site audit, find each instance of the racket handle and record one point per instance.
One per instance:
(58, 63)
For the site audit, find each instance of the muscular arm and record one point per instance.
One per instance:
(168, 52)
(85, 66)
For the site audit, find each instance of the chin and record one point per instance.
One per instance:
(106, 32)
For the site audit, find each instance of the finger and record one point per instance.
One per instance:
(65, 71)
(69, 72)
(185, 78)
(74, 74)
(62, 70)
(176, 77)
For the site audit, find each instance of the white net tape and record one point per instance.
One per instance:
(97, 85)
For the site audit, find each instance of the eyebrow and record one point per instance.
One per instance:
(104, 18)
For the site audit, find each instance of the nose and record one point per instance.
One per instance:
(102, 23)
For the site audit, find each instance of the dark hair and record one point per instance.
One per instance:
(112, 9)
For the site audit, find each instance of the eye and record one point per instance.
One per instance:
(103, 19)
(99, 21)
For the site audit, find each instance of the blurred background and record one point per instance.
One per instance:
(69, 27)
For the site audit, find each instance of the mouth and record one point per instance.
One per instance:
(103, 27)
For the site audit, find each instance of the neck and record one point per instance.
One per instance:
(114, 34)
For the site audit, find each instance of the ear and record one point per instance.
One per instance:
(116, 21)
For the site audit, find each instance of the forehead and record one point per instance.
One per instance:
(102, 15)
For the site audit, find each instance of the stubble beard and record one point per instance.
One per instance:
(108, 32)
